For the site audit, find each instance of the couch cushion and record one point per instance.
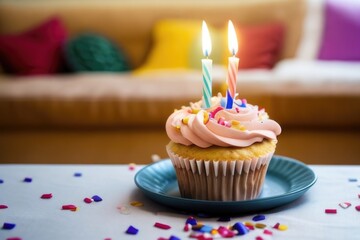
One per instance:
(93, 52)
(36, 51)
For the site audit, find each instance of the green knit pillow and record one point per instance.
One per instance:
(92, 52)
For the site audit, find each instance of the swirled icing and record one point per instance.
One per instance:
(240, 126)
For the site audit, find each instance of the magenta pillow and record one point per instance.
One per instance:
(36, 51)
(341, 35)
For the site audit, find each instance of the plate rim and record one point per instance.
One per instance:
(300, 190)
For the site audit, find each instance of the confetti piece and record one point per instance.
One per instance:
(13, 238)
(174, 238)
(358, 195)
(352, 180)
(28, 180)
(46, 196)
(192, 221)
(345, 205)
(258, 218)
(260, 225)
(282, 227)
(241, 228)
(276, 226)
(259, 238)
(8, 226)
(161, 226)
(197, 227)
(225, 232)
(88, 200)
(132, 166)
(69, 207)
(187, 227)
(2, 206)
(267, 232)
(205, 229)
(1, 181)
(331, 211)
(77, 174)
(136, 204)
(132, 230)
(107, 238)
(357, 207)
(96, 198)
(224, 219)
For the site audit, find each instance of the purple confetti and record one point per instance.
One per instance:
(1, 181)
(8, 226)
(28, 180)
(258, 218)
(132, 230)
(77, 174)
(172, 237)
(96, 198)
(241, 228)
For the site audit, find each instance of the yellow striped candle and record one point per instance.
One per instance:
(206, 67)
(232, 66)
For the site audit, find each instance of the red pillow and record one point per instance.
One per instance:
(36, 51)
(260, 45)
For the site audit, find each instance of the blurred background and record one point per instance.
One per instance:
(94, 81)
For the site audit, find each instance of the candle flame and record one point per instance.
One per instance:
(232, 39)
(206, 40)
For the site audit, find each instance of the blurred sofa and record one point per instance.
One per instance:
(119, 117)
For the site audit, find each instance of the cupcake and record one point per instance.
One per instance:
(221, 154)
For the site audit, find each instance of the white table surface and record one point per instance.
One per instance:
(37, 218)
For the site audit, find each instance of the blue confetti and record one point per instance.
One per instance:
(192, 221)
(205, 229)
(174, 238)
(8, 226)
(77, 174)
(241, 228)
(1, 181)
(27, 179)
(352, 180)
(258, 218)
(132, 230)
(96, 198)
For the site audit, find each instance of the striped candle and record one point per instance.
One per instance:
(206, 67)
(232, 66)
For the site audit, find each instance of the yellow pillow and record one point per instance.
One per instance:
(177, 45)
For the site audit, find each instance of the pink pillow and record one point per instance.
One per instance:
(36, 51)
(259, 45)
(341, 36)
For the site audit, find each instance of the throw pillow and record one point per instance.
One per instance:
(93, 52)
(36, 51)
(259, 45)
(341, 35)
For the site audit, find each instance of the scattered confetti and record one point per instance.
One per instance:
(174, 238)
(132, 230)
(331, 211)
(132, 166)
(260, 225)
(225, 232)
(136, 204)
(28, 180)
(2, 206)
(187, 227)
(241, 228)
(46, 196)
(107, 238)
(1, 181)
(197, 227)
(276, 226)
(88, 200)
(224, 219)
(69, 207)
(78, 174)
(259, 238)
(352, 179)
(267, 232)
(192, 221)
(161, 225)
(345, 205)
(8, 226)
(357, 207)
(96, 198)
(13, 238)
(205, 228)
(358, 195)
(282, 227)
(258, 218)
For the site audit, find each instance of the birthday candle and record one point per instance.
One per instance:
(232, 66)
(206, 67)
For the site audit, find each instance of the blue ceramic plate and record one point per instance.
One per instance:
(286, 180)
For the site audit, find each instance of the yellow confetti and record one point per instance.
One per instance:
(136, 204)
(282, 227)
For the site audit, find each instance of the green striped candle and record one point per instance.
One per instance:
(206, 67)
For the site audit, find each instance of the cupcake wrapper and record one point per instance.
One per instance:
(222, 180)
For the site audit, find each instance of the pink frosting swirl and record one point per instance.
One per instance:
(240, 126)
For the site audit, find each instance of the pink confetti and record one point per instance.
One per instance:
(331, 211)
(276, 226)
(132, 166)
(187, 227)
(46, 196)
(259, 238)
(161, 225)
(225, 233)
(357, 207)
(88, 200)
(267, 232)
(3, 206)
(13, 238)
(345, 205)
